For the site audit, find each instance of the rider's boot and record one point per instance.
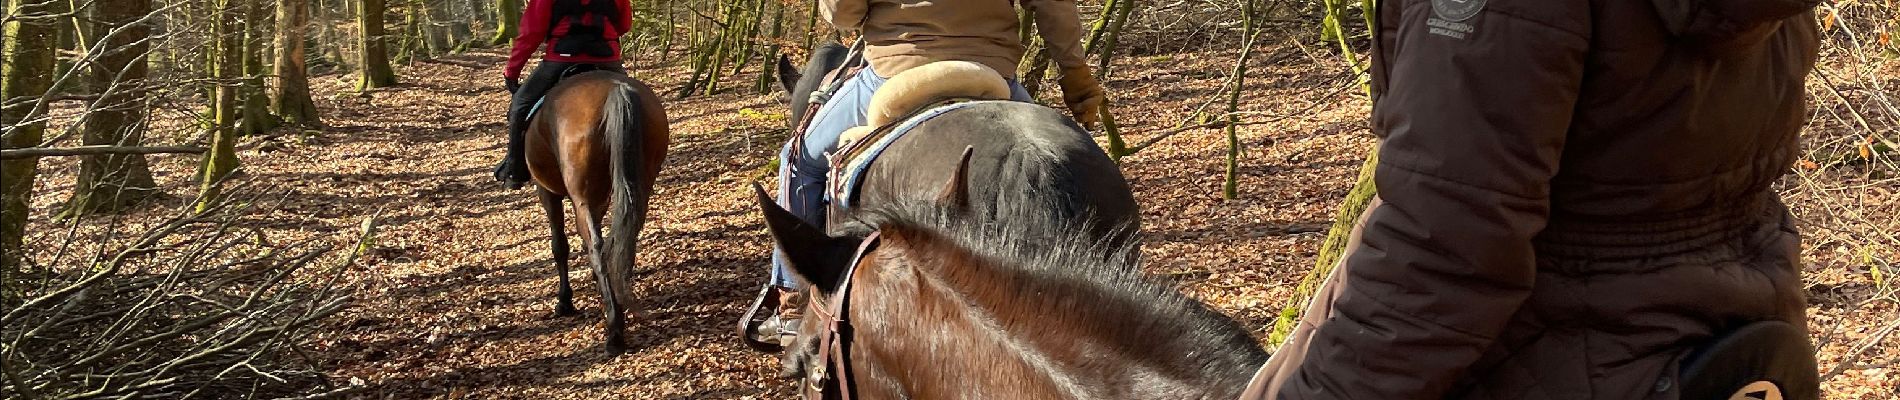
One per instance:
(782, 327)
(513, 170)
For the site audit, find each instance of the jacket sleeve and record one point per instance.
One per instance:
(846, 15)
(1060, 25)
(1474, 115)
(532, 31)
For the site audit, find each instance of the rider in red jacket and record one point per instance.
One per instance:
(577, 33)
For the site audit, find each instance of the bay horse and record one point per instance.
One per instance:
(938, 305)
(1018, 161)
(598, 140)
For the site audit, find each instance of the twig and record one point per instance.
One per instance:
(9, 154)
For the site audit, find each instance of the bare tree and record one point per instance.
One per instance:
(29, 37)
(255, 117)
(373, 46)
(507, 21)
(117, 75)
(226, 68)
(292, 98)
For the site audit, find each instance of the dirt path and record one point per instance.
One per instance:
(455, 298)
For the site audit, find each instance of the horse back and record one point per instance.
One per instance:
(1029, 161)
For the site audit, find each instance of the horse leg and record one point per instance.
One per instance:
(590, 214)
(557, 228)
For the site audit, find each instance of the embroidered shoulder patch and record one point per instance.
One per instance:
(1448, 16)
(1457, 10)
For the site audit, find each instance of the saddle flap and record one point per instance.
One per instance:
(1762, 360)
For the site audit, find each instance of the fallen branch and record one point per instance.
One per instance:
(9, 154)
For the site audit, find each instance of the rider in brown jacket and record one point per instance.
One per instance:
(1576, 194)
(900, 35)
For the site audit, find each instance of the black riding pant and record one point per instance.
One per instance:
(536, 85)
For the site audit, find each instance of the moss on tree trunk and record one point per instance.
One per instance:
(226, 60)
(23, 75)
(1330, 250)
(373, 46)
(256, 117)
(507, 21)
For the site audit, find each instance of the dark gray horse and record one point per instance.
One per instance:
(996, 162)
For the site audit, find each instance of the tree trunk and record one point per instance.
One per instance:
(507, 22)
(24, 76)
(329, 44)
(372, 43)
(292, 98)
(770, 56)
(1110, 36)
(1355, 204)
(256, 117)
(1330, 250)
(226, 59)
(460, 17)
(410, 46)
(112, 182)
(435, 29)
(1230, 189)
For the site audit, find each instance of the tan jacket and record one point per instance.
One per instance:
(903, 34)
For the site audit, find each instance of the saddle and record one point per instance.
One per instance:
(861, 146)
(1769, 360)
(571, 70)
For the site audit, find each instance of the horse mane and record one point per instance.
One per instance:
(1058, 269)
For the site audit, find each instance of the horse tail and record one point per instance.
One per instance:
(918, 87)
(621, 123)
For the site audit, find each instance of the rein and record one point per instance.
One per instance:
(853, 61)
(835, 346)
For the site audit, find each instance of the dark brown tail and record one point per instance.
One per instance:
(621, 124)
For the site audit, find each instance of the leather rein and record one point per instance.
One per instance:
(832, 379)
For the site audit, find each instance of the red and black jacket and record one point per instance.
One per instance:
(576, 31)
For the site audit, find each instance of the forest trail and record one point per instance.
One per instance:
(454, 299)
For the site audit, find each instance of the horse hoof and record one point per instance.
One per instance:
(566, 311)
(615, 348)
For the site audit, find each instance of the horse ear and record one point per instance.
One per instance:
(816, 257)
(788, 75)
(956, 192)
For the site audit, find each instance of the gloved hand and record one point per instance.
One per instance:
(513, 84)
(1082, 94)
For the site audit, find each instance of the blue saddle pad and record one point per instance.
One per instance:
(847, 175)
(529, 116)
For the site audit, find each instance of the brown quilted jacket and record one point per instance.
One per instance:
(1575, 194)
(902, 34)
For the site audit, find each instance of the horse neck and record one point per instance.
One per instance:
(972, 327)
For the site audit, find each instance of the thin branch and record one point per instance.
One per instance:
(9, 154)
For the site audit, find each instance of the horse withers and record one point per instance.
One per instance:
(598, 140)
(938, 305)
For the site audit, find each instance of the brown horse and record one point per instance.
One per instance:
(936, 304)
(598, 140)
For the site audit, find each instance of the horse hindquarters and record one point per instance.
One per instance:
(621, 199)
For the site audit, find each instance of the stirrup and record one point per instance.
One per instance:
(749, 323)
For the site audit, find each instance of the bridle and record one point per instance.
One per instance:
(832, 379)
